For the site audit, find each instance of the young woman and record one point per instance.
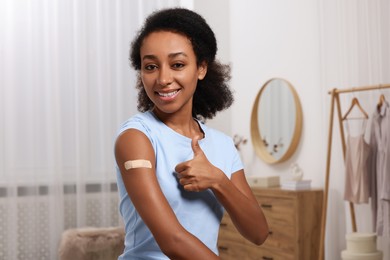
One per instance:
(175, 175)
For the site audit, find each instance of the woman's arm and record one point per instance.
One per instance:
(244, 210)
(145, 193)
(235, 195)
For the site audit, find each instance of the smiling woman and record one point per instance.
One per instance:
(176, 206)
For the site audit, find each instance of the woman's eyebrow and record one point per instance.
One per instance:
(149, 56)
(171, 55)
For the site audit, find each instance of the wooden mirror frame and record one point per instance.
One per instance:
(258, 144)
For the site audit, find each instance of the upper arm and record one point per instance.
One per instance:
(142, 185)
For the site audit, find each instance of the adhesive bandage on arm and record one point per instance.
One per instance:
(132, 164)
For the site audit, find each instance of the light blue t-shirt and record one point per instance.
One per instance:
(198, 212)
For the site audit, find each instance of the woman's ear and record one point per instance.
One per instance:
(202, 70)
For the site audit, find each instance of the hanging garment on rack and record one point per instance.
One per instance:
(380, 170)
(357, 186)
(373, 171)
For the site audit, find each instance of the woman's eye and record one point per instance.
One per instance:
(150, 67)
(178, 65)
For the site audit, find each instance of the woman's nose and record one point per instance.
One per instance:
(165, 76)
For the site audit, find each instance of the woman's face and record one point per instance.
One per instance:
(169, 72)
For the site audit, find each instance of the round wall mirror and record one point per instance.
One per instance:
(276, 121)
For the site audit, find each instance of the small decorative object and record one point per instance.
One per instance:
(263, 181)
(295, 180)
(238, 140)
(265, 141)
(273, 149)
(361, 246)
(278, 145)
(296, 172)
(296, 185)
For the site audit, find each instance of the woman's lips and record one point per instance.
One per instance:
(166, 96)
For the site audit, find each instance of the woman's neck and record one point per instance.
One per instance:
(182, 123)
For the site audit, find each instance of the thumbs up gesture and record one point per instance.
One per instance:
(198, 173)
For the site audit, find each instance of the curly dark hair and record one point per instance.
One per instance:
(212, 94)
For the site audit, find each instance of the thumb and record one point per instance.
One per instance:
(195, 146)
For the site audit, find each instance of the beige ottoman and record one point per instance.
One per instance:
(91, 243)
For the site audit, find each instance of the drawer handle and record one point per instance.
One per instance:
(223, 248)
(267, 258)
(223, 224)
(266, 206)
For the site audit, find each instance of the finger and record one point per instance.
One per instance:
(184, 181)
(191, 187)
(180, 167)
(195, 146)
(182, 175)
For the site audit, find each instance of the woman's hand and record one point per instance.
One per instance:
(234, 194)
(198, 174)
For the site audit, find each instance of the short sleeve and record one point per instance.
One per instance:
(139, 124)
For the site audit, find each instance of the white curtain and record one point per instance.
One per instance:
(66, 86)
(355, 51)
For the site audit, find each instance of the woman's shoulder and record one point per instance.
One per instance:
(141, 121)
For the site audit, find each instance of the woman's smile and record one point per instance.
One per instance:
(168, 95)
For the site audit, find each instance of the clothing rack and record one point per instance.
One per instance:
(335, 99)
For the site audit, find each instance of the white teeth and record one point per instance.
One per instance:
(170, 94)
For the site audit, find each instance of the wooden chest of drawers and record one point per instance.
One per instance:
(294, 219)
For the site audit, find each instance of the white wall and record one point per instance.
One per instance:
(279, 38)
